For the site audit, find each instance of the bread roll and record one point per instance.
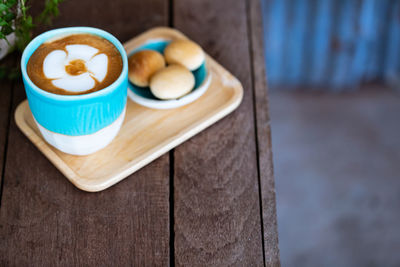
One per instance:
(184, 52)
(142, 65)
(172, 82)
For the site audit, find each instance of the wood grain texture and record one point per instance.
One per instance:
(5, 102)
(122, 18)
(266, 174)
(217, 209)
(46, 221)
(146, 133)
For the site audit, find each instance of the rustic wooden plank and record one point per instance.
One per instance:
(123, 18)
(5, 102)
(266, 174)
(5, 94)
(217, 209)
(46, 221)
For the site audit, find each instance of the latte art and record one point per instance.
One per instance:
(75, 64)
(76, 70)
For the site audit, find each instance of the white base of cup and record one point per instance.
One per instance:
(83, 144)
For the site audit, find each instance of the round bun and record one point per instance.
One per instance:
(172, 82)
(142, 65)
(184, 52)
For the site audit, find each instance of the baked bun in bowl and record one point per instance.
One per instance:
(184, 52)
(144, 95)
(142, 65)
(172, 82)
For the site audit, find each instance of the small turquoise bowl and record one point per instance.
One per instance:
(143, 95)
(76, 115)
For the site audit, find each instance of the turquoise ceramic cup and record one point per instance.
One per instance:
(77, 124)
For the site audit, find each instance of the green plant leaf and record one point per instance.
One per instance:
(11, 2)
(22, 25)
(3, 7)
(9, 17)
(6, 30)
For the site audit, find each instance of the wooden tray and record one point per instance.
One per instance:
(146, 133)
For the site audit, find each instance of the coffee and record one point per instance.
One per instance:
(75, 64)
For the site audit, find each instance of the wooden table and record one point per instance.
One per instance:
(209, 202)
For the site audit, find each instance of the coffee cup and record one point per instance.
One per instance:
(78, 124)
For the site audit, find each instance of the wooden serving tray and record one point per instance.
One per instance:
(146, 133)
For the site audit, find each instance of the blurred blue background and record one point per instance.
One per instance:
(337, 44)
(333, 69)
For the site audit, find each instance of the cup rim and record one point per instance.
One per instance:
(81, 29)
